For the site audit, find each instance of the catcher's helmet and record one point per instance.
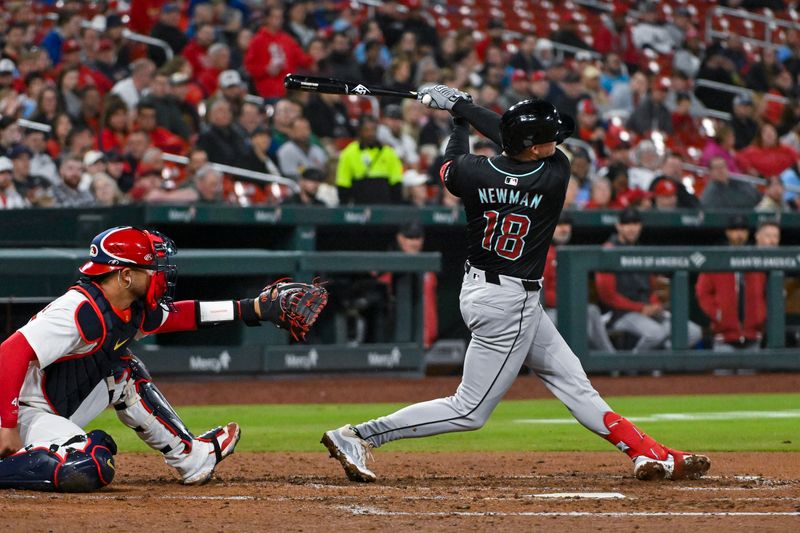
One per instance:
(125, 247)
(532, 122)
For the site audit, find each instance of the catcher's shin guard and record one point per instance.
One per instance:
(84, 463)
(143, 408)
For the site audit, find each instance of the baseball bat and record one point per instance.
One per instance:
(334, 86)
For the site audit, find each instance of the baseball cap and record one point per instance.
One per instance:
(393, 111)
(412, 230)
(630, 216)
(591, 71)
(115, 156)
(114, 21)
(260, 130)
(178, 78)
(665, 187)
(742, 99)
(92, 157)
(104, 45)
(6, 66)
(519, 75)
(17, 150)
(230, 78)
(572, 77)
(583, 55)
(662, 84)
(544, 44)
(587, 107)
(538, 75)
(738, 221)
(496, 24)
(313, 174)
(5, 164)
(170, 8)
(70, 46)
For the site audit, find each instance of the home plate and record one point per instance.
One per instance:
(586, 495)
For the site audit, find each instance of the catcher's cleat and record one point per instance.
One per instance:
(216, 444)
(677, 465)
(350, 450)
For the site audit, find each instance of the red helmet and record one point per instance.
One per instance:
(126, 246)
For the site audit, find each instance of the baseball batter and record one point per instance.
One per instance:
(512, 202)
(72, 360)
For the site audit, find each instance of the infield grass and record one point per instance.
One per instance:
(744, 422)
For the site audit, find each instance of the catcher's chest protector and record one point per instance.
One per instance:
(69, 381)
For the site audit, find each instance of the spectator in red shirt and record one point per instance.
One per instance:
(196, 51)
(273, 54)
(765, 156)
(630, 295)
(161, 138)
(114, 132)
(595, 325)
(735, 302)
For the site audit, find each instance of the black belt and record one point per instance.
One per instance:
(530, 285)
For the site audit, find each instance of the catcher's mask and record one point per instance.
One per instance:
(126, 246)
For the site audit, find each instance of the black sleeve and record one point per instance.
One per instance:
(485, 121)
(459, 140)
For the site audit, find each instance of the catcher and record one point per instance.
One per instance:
(72, 360)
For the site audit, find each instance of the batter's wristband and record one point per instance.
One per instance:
(247, 311)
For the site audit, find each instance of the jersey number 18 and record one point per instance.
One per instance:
(511, 240)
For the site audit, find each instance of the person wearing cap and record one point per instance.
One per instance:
(672, 171)
(743, 121)
(299, 152)
(7, 69)
(10, 198)
(518, 89)
(652, 113)
(650, 31)
(20, 156)
(595, 324)
(734, 302)
(723, 192)
(272, 54)
(636, 308)
(258, 158)
(309, 181)
(181, 89)
(392, 132)
(14, 42)
(68, 193)
(167, 29)
(105, 61)
(665, 195)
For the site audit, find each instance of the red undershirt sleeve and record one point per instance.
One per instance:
(183, 319)
(15, 357)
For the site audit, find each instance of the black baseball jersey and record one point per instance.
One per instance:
(512, 206)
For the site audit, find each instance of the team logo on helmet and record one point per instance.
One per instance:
(93, 250)
(148, 257)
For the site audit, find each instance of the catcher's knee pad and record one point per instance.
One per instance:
(144, 409)
(82, 464)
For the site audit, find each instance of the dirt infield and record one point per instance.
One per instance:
(429, 492)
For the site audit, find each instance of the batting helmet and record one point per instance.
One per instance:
(125, 247)
(532, 122)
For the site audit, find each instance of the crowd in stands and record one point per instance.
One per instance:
(101, 111)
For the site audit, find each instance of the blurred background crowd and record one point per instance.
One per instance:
(109, 102)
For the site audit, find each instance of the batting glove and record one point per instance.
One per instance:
(441, 97)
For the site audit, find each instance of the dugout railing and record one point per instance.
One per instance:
(577, 264)
(36, 276)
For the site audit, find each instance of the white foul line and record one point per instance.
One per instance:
(681, 417)
(375, 511)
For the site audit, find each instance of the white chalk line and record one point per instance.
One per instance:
(682, 417)
(376, 511)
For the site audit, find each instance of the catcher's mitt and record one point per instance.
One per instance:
(292, 305)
